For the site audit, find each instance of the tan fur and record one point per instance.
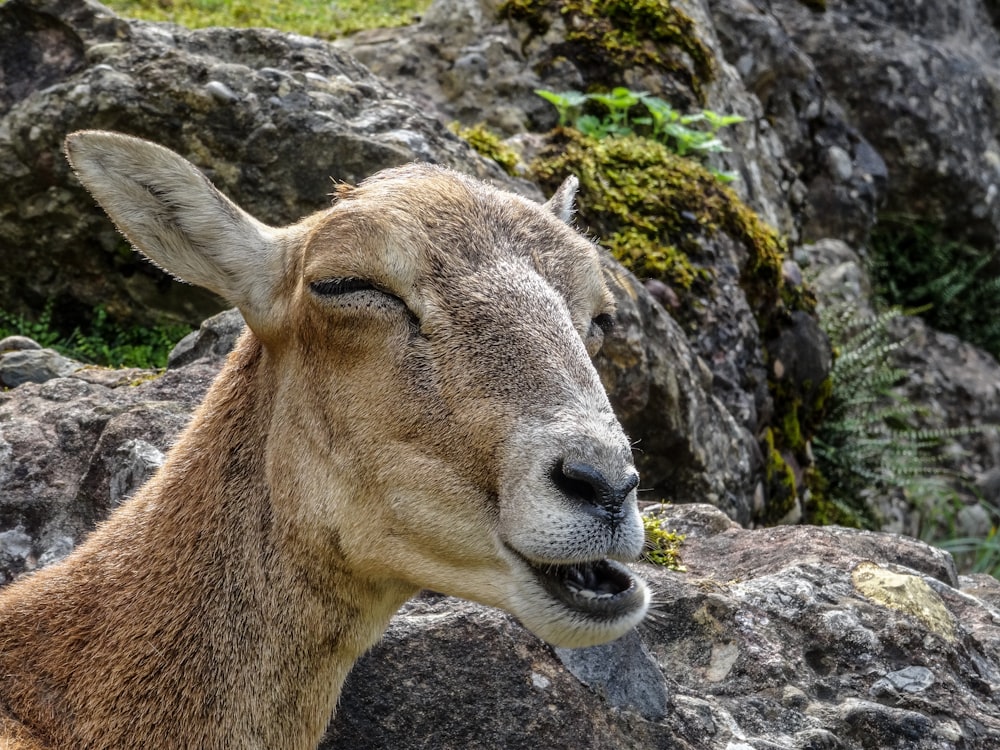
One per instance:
(354, 449)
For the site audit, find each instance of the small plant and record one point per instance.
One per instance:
(103, 342)
(656, 120)
(867, 442)
(662, 546)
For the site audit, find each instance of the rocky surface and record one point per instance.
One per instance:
(274, 120)
(792, 637)
(934, 80)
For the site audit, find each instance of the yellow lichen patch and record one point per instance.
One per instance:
(662, 546)
(905, 593)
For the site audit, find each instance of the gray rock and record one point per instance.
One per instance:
(835, 177)
(908, 680)
(214, 338)
(777, 638)
(922, 88)
(623, 673)
(15, 553)
(69, 449)
(34, 366)
(134, 462)
(17, 343)
(273, 119)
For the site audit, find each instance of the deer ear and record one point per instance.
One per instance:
(175, 217)
(561, 202)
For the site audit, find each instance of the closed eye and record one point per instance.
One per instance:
(343, 286)
(335, 286)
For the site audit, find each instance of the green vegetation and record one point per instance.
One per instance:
(868, 442)
(310, 17)
(488, 144)
(975, 555)
(606, 37)
(655, 119)
(956, 286)
(652, 207)
(103, 342)
(662, 546)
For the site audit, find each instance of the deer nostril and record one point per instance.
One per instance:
(589, 484)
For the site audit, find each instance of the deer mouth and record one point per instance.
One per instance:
(603, 589)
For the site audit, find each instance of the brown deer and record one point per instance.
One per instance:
(412, 406)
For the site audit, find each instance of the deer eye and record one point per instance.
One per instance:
(380, 299)
(599, 327)
(335, 286)
(605, 322)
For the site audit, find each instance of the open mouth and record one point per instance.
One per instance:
(603, 588)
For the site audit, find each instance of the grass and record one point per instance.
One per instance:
(103, 342)
(325, 20)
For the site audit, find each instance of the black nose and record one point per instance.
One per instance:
(590, 486)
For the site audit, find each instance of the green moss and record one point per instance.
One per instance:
(489, 144)
(798, 413)
(662, 546)
(821, 508)
(610, 36)
(655, 207)
(791, 429)
(782, 490)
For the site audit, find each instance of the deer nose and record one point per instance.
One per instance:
(589, 485)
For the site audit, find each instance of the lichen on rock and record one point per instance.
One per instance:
(905, 593)
(603, 37)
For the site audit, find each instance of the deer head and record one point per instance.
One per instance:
(434, 418)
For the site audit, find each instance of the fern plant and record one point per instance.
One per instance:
(867, 442)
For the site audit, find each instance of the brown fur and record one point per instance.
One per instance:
(350, 453)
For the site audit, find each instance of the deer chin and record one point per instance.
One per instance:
(580, 603)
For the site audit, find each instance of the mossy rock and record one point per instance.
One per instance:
(488, 144)
(654, 210)
(605, 38)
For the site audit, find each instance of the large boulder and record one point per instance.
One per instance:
(922, 85)
(793, 637)
(274, 119)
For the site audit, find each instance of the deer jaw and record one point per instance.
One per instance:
(436, 422)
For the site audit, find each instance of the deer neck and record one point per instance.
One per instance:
(197, 611)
